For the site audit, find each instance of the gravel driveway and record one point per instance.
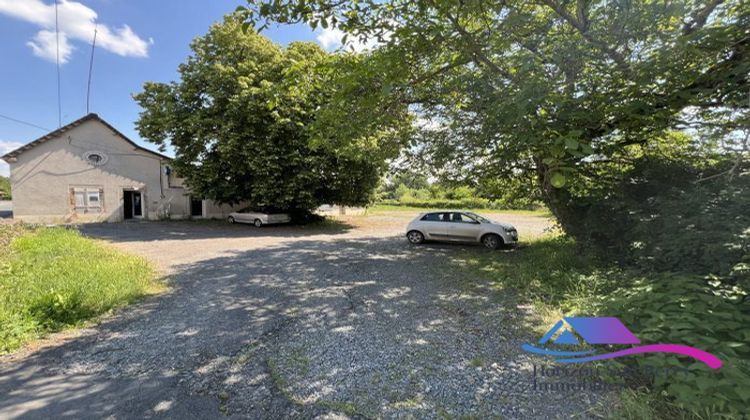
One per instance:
(293, 322)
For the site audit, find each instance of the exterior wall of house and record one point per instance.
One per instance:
(49, 180)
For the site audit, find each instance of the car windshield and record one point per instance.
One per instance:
(478, 218)
(245, 210)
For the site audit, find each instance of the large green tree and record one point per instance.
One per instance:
(242, 120)
(545, 89)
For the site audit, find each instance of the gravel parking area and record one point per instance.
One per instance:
(347, 320)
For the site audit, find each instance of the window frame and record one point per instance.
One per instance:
(85, 193)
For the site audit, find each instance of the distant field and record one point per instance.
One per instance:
(385, 208)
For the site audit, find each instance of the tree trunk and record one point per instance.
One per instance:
(560, 203)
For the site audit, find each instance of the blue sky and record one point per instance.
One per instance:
(137, 41)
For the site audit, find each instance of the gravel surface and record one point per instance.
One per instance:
(346, 321)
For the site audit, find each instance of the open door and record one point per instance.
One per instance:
(196, 207)
(132, 204)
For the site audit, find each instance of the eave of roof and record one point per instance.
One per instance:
(57, 133)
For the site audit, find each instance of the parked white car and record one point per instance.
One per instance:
(460, 226)
(258, 219)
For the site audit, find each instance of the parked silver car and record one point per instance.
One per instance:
(460, 226)
(257, 218)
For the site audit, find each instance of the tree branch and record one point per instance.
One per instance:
(699, 18)
(473, 45)
(582, 26)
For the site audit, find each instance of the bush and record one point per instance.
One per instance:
(684, 309)
(669, 215)
(53, 278)
(466, 203)
(413, 190)
(5, 188)
(673, 308)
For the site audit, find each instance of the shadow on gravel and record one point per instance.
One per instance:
(205, 229)
(370, 327)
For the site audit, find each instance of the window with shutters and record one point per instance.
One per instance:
(89, 199)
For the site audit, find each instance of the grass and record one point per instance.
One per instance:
(380, 208)
(53, 279)
(553, 275)
(548, 272)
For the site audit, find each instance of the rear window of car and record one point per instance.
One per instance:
(431, 217)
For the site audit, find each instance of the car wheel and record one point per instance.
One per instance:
(415, 237)
(257, 223)
(230, 219)
(492, 241)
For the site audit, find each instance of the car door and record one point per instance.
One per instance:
(242, 216)
(250, 217)
(435, 225)
(463, 228)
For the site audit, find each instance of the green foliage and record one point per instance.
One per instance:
(558, 278)
(685, 309)
(579, 100)
(550, 272)
(667, 214)
(413, 190)
(543, 91)
(53, 278)
(5, 193)
(244, 121)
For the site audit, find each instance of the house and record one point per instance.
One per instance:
(89, 171)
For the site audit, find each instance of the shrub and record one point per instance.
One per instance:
(466, 203)
(672, 215)
(5, 188)
(684, 309)
(672, 308)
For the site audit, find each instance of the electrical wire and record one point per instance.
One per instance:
(91, 68)
(59, 96)
(24, 122)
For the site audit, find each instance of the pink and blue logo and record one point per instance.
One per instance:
(606, 330)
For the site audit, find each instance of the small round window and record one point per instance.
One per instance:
(95, 158)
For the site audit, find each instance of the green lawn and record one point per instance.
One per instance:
(380, 208)
(53, 278)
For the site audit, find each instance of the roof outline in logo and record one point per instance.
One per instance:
(606, 331)
(603, 330)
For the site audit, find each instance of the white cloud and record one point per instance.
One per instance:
(330, 39)
(5, 147)
(76, 22)
(44, 45)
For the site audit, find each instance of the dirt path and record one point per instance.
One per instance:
(292, 322)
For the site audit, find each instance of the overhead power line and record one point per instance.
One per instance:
(57, 42)
(91, 69)
(24, 122)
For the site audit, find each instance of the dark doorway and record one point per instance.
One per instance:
(127, 204)
(196, 207)
(132, 204)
